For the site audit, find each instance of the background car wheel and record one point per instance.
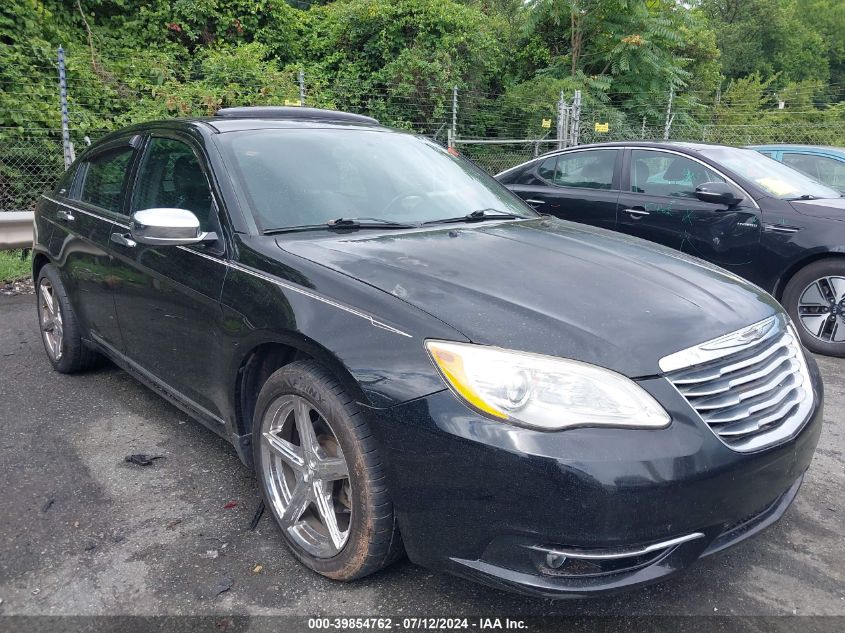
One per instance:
(321, 475)
(60, 330)
(815, 299)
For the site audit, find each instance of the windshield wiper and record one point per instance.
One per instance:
(368, 223)
(806, 196)
(342, 224)
(478, 216)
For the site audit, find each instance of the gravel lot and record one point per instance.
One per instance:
(83, 532)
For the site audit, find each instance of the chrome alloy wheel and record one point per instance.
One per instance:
(50, 317)
(307, 476)
(821, 309)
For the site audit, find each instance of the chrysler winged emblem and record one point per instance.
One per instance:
(742, 337)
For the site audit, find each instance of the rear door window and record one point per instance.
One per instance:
(591, 169)
(104, 178)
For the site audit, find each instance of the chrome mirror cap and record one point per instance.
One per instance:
(167, 227)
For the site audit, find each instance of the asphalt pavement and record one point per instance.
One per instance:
(83, 532)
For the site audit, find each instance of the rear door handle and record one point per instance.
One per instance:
(67, 216)
(123, 240)
(636, 213)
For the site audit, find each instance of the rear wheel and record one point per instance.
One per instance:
(815, 299)
(321, 475)
(60, 330)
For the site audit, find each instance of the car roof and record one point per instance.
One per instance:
(687, 145)
(828, 149)
(258, 118)
(234, 124)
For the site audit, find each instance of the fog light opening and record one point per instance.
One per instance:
(555, 561)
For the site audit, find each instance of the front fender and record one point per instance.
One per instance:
(373, 337)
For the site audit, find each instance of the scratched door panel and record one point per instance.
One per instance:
(727, 237)
(660, 205)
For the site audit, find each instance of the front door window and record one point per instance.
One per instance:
(171, 177)
(668, 175)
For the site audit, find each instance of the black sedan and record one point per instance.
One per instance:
(412, 360)
(733, 207)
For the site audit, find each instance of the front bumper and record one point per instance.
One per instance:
(487, 500)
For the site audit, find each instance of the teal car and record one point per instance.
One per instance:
(822, 163)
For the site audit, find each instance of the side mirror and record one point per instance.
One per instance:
(167, 227)
(717, 193)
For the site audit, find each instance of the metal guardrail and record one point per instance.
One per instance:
(16, 230)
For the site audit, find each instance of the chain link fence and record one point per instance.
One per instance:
(496, 131)
(497, 155)
(30, 163)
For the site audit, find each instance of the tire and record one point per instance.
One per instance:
(69, 354)
(814, 295)
(360, 503)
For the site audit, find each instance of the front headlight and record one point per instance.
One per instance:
(544, 392)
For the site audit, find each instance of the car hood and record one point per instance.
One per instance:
(551, 287)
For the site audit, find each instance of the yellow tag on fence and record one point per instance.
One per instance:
(547, 123)
(602, 127)
(289, 102)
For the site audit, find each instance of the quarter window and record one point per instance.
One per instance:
(546, 170)
(171, 177)
(104, 177)
(664, 174)
(65, 186)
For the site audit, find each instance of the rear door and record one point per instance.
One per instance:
(167, 297)
(578, 185)
(84, 212)
(660, 205)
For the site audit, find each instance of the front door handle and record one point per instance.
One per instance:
(637, 213)
(67, 216)
(123, 240)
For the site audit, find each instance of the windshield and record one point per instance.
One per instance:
(773, 177)
(305, 177)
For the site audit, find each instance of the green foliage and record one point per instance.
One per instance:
(775, 37)
(637, 42)
(398, 60)
(14, 265)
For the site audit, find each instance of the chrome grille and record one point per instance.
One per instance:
(750, 387)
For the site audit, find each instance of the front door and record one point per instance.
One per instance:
(660, 205)
(580, 185)
(168, 296)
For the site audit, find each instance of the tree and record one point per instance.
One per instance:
(769, 37)
(398, 59)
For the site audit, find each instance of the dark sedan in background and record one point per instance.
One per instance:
(747, 213)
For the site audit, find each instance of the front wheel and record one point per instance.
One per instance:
(815, 299)
(320, 474)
